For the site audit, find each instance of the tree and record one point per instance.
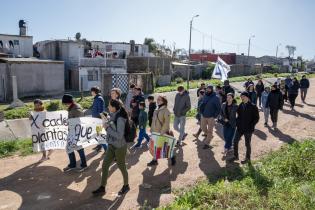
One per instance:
(152, 45)
(291, 49)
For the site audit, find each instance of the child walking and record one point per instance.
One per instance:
(143, 118)
(39, 107)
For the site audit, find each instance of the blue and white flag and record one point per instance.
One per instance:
(221, 70)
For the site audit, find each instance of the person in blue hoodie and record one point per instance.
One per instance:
(287, 82)
(97, 108)
(210, 109)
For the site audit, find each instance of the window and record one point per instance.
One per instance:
(93, 75)
(136, 49)
(1, 44)
(16, 42)
(11, 44)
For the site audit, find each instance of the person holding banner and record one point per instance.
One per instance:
(39, 107)
(74, 111)
(117, 146)
(161, 124)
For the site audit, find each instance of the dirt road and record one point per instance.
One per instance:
(25, 184)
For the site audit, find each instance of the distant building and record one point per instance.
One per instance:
(73, 52)
(229, 58)
(34, 77)
(17, 45)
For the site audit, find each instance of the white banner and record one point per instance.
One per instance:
(221, 70)
(85, 131)
(49, 130)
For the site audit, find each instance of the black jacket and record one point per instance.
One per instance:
(135, 110)
(248, 117)
(230, 116)
(304, 83)
(260, 89)
(294, 87)
(275, 100)
(152, 107)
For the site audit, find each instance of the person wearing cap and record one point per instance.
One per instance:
(247, 118)
(97, 108)
(74, 111)
(134, 105)
(181, 106)
(210, 109)
(39, 107)
(274, 103)
(227, 89)
(248, 82)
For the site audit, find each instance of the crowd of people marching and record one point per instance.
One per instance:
(215, 105)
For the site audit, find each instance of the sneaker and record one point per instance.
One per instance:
(66, 169)
(179, 143)
(206, 146)
(148, 144)
(205, 135)
(82, 168)
(153, 163)
(99, 191)
(233, 159)
(245, 161)
(124, 190)
(184, 136)
(136, 146)
(173, 161)
(266, 124)
(97, 148)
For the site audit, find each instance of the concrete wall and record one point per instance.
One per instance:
(24, 47)
(3, 81)
(34, 78)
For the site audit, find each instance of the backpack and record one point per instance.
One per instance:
(130, 132)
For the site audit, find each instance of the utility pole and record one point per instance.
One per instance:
(277, 50)
(189, 50)
(252, 36)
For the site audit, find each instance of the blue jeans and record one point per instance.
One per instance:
(104, 147)
(228, 133)
(142, 134)
(73, 161)
(179, 126)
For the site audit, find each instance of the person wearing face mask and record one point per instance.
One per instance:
(161, 123)
(210, 109)
(293, 92)
(247, 118)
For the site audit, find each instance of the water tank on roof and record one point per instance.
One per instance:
(22, 26)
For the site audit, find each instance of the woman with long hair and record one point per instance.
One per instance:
(117, 146)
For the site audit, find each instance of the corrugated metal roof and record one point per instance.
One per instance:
(27, 60)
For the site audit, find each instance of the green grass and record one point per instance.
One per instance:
(53, 105)
(20, 147)
(196, 83)
(284, 179)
